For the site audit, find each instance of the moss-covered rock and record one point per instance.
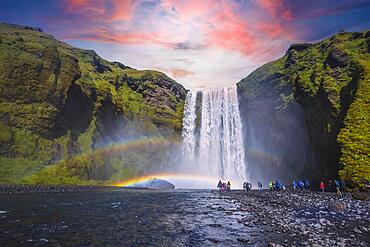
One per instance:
(57, 101)
(330, 81)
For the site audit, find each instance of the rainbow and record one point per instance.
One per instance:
(167, 176)
(131, 145)
(262, 154)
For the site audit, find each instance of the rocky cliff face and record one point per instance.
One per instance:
(317, 94)
(57, 101)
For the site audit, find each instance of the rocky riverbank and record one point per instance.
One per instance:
(306, 218)
(6, 189)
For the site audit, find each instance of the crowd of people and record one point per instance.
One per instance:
(332, 185)
(222, 186)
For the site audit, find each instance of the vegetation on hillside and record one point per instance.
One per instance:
(59, 103)
(330, 80)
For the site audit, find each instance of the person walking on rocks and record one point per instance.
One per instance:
(249, 186)
(307, 184)
(342, 186)
(300, 185)
(259, 186)
(228, 186)
(245, 186)
(223, 187)
(219, 185)
(322, 186)
(337, 187)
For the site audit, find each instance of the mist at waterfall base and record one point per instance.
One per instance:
(276, 140)
(212, 143)
(220, 139)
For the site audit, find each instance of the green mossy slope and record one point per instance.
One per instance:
(330, 80)
(59, 103)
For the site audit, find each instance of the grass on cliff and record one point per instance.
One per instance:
(310, 73)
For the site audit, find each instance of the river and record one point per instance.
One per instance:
(122, 218)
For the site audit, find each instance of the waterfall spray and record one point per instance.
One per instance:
(221, 148)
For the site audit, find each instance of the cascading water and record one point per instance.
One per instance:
(220, 144)
(188, 131)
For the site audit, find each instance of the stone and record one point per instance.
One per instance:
(242, 240)
(356, 230)
(274, 245)
(337, 207)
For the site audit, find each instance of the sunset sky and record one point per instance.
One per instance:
(199, 43)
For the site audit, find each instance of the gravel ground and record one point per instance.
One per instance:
(308, 218)
(7, 189)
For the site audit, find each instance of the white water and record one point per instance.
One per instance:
(220, 144)
(188, 131)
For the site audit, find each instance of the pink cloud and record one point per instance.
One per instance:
(179, 73)
(276, 9)
(103, 10)
(173, 23)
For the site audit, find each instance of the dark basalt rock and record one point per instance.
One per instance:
(98, 64)
(298, 47)
(121, 65)
(337, 58)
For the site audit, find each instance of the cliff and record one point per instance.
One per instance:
(313, 106)
(57, 101)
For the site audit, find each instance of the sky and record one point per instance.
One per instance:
(200, 43)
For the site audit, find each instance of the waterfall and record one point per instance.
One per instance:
(188, 131)
(221, 148)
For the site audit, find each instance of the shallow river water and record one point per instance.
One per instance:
(123, 218)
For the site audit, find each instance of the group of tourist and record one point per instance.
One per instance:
(301, 185)
(276, 186)
(222, 186)
(336, 185)
(247, 186)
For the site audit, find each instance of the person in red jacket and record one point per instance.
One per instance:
(322, 186)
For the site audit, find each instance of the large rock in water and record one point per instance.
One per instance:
(158, 184)
(309, 111)
(57, 101)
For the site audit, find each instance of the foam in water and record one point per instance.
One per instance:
(220, 144)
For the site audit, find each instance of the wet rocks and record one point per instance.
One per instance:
(337, 207)
(307, 218)
(31, 189)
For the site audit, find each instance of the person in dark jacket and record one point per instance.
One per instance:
(337, 187)
(259, 186)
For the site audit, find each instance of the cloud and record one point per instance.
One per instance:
(102, 10)
(199, 41)
(180, 73)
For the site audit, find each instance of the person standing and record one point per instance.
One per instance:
(337, 187)
(270, 185)
(249, 186)
(342, 186)
(219, 185)
(294, 185)
(259, 186)
(307, 184)
(228, 186)
(322, 186)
